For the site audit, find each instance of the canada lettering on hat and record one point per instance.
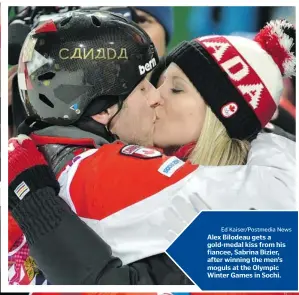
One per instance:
(242, 76)
(247, 74)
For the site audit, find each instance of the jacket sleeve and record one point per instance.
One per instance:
(66, 250)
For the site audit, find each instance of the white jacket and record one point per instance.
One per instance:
(147, 226)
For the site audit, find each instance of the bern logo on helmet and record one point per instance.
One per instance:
(148, 66)
(229, 109)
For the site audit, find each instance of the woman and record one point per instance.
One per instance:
(136, 231)
(218, 138)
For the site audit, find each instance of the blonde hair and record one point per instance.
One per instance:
(215, 147)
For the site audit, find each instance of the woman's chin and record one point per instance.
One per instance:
(160, 135)
(160, 142)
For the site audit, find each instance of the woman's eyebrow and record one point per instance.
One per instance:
(180, 79)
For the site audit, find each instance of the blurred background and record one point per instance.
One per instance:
(167, 26)
(190, 22)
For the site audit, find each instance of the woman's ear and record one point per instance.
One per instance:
(105, 116)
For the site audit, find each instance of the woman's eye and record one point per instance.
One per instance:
(174, 90)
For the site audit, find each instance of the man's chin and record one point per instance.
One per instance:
(148, 143)
(142, 142)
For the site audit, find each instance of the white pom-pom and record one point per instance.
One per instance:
(290, 67)
(278, 39)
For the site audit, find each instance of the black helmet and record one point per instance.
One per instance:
(83, 56)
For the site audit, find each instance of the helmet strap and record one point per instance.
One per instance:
(120, 104)
(90, 125)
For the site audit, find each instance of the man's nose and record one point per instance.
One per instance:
(154, 98)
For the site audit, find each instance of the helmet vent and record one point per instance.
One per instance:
(65, 21)
(45, 100)
(95, 21)
(46, 76)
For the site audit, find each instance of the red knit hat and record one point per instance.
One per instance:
(240, 79)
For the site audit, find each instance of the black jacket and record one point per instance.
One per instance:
(72, 253)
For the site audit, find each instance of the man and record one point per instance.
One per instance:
(157, 22)
(95, 85)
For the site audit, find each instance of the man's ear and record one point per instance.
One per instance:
(105, 116)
